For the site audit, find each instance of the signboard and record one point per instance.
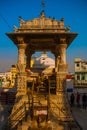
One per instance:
(69, 83)
(41, 112)
(70, 90)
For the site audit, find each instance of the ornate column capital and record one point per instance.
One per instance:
(22, 46)
(61, 46)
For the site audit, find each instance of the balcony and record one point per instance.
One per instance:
(80, 83)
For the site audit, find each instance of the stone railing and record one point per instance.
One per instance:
(17, 116)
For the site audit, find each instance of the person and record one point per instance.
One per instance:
(84, 101)
(72, 99)
(78, 99)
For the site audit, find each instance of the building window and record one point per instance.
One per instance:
(77, 64)
(83, 77)
(78, 77)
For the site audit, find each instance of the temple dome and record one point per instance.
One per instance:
(43, 62)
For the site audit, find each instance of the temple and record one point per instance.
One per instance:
(42, 34)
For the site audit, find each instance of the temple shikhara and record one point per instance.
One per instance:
(41, 100)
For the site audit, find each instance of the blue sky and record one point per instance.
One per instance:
(74, 13)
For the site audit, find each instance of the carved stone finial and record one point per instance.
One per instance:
(15, 28)
(20, 19)
(42, 14)
(68, 28)
(62, 19)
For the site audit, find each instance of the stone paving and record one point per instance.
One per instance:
(79, 114)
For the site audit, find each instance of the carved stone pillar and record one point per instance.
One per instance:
(21, 53)
(21, 96)
(57, 62)
(62, 52)
(21, 77)
(61, 71)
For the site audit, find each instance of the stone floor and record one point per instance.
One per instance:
(80, 115)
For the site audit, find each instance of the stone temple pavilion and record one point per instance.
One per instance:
(42, 34)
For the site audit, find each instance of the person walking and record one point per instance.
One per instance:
(78, 99)
(72, 99)
(84, 101)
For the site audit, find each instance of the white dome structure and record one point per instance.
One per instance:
(43, 62)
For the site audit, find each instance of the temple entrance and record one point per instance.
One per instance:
(41, 102)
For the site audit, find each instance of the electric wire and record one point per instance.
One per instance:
(6, 22)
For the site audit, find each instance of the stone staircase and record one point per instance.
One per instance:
(16, 118)
(19, 112)
(58, 115)
(56, 107)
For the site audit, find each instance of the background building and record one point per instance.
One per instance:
(80, 72)
(80, 81)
